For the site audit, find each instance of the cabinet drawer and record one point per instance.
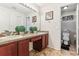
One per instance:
(35, 38)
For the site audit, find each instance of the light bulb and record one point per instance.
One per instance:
(66, 7)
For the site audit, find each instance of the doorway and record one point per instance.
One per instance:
(69, 28)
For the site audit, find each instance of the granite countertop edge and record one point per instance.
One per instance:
(27, 36)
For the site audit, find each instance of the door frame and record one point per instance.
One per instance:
(76, 24)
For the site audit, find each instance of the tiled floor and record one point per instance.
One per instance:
(53, 52)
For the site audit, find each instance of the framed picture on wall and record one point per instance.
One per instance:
(49, 15)
(34, 19)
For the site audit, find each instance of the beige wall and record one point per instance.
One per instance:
(54, 25)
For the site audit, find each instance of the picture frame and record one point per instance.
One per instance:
(49, 15)
(34, 19)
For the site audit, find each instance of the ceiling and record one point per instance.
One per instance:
(26, 10)
(17, 7)
(50, 4)
(43, 4)
(71, 7)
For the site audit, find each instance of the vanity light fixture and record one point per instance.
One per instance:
(66, 7)
(26, 6)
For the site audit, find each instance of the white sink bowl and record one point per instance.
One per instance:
(7, 38)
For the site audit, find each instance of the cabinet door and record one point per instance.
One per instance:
(46, 40)
(8, 49)
(14, 49)
(43, 41)
(23, 48)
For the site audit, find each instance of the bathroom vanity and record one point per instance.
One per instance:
(18, 45)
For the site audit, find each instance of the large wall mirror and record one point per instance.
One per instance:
(15, 14)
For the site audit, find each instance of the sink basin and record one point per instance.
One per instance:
(3, 39)
(14, 36)
(7, 38)
(2, 35)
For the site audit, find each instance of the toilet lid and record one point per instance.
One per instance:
(65, 34)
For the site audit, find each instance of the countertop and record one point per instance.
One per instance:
(12, 38)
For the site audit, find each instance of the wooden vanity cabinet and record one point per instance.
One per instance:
(9, 49)
(23, 47)
(20, 48)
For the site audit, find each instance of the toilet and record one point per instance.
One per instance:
(65, 40)
(66, 37)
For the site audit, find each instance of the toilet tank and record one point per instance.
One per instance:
(66, 36)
